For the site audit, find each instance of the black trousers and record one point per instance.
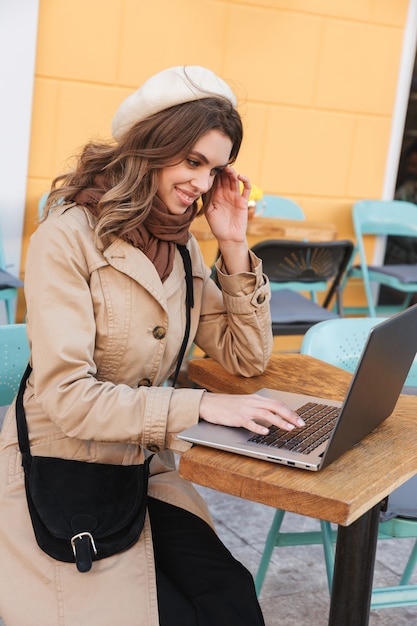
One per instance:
(199, 582)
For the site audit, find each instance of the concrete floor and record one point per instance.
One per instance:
(295, 590)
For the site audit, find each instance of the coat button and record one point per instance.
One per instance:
(145, 382)
(159, 332)
(153, 447)
(261, 298)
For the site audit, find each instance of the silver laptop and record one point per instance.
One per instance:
(332, 427)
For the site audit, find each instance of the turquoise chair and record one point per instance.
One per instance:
(340, 343)
(8, 293)
(383, 218)
(14, 356)
(41, 204)
(278, 206)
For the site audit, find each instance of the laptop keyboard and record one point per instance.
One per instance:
(320, 420)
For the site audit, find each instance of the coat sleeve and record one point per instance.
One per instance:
(235, 320)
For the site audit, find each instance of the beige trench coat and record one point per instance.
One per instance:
(104, 335)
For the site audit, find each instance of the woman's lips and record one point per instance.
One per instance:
(185, 197)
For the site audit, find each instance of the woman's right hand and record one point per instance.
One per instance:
(253, 412)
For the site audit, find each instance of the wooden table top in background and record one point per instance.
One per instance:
(273, 228)
(341, 492)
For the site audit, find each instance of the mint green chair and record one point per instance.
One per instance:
(14, 356)
(41, 204)
(278, 206)
(340, 343)
(383, 218)
(41, 208)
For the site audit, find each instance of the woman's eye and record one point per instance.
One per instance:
(193, 163)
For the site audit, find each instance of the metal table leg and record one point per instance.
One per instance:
(354, 570)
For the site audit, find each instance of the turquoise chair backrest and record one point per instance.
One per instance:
(14, 356)
(340, 342)
(41, 204)
(278, 206)
(384, 217)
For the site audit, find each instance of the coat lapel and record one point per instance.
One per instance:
(135, 264)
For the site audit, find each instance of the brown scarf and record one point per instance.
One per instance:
(157, 236)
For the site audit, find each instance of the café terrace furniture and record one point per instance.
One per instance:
(340, 343)
(14, 355)
(384, 218)
(260, 228)
(298, 271)
(272, 205)
(348, 492)
(272, 228)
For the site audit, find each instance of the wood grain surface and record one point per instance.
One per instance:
(260, 228)
(340, 493)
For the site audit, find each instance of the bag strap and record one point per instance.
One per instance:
(22, 429)
(189, 303)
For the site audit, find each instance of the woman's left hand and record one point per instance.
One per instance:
(253, 412)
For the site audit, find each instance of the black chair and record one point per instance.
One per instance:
(299, 266)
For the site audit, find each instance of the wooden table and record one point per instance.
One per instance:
(273, 228)
(261, 228)
(348, 492)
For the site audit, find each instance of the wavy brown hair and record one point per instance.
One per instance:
(130, 168)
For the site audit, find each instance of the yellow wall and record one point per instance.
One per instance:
(315, 79)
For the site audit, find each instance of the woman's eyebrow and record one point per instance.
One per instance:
(203, 158)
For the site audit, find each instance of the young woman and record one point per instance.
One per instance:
(105, 290)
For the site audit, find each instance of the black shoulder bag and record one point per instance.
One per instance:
(81, 511)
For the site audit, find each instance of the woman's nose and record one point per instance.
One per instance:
(202, 181)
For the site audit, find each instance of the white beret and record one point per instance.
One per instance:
(172, 86)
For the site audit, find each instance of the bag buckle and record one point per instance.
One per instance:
(83, 558)
(80, 536)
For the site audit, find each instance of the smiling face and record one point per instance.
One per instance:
(183, 183)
